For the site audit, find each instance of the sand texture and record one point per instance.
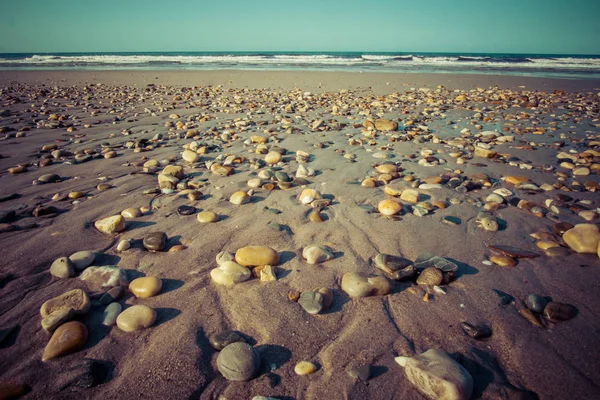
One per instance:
(463, 137)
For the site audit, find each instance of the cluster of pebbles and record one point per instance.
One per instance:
(215, 134)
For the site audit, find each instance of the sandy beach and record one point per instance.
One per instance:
(445, 171)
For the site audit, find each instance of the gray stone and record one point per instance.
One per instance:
(312, 302)
(536, 303)
(425, 260)
(82, 259)
(62, 268)
(238, 362)
(361, 372)
(49, 178)
(111, 312)
(223, 339)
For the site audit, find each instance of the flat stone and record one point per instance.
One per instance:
(76, 300)
(437, 375)
(131, 212)
(583, 238)
(425, 260)
(145, 287)
(389, 263)
(104, 277)
(410, 196)
(40, 211)
(49, 178)
(82, 259)
(111, 225)
(206, 217)
(238, 362)
(62, 268)
(223, 339)
(451, 220)
(186, 210)
(252, 256)
(555, 311)
(239, 198)
(155, 241)
(229, 273)
(305, 368)
(316, 254)
(359, 285)
(67, 338)
(175, 171)
(561, 227)
(190, 156)
(513, 252)
(430, 276)
(123, 245)
(136, 318)
(312, 302)
(111, 312)
(386, 125)
(57, 318)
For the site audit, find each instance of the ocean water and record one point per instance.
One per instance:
(543, 65)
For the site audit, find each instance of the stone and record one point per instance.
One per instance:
(40, 211)
(503, 261)
(105, 277)
(430, 276)
(131, 213)
(359, 285)
(273, 158)
(111, 225)
(410, 196)
(123, 245)
(76, 300)
(316, 254)
(239, 198)
(425, 260)
(238, 362)
(62, 268)
(253, 256)
(361, 372)
(583, 238)
(186, 210)
(224, 256)
(389, 207)
(267, 273)
(386, 125)
(308, 196)
(495, 198)
(167, 181)
(75, 195)
(476, 332)
(484, 153)
(175, 171)
(515, 180)
(82, 259)
(49, 178)
(136, 318)
(67, 338)
(513, 252)
(111, 295)
(145, 287)
(155, 241)
(206, 217)
(556, 312)
(223, 339)
(229, 273)
(437, 376)
(57, 318)
(315, 216)
(111, 313)
(390, 264)
(536, 303)
(305, 368)
(190, 156)
(561, 227)
(312, 302)
(582, 171)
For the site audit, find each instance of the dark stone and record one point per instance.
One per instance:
(505, 298)
(405, 273)
(555, 311)
(40, 211)
(222, 339)
(450, 220)
(514, 201)
(513, 252)
(561, 227)
(536, 303)
(282, 177)
(111, 296)
(476, 332)
(85, 374)
(361, 372)
(186, 210)
(155, 241)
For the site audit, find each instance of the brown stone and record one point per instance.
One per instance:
(68, 338)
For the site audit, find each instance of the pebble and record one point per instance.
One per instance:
(131, 213)
(123, 245)
(390, 264)
(360, 372)
(76, 300)
(503, 261)
(451, 220)
(308, 196)
(476, 332)
(358, 285)
(536, 303)
(224, 256)
(155, 241)
(316, 254)
(273, 158)
(238, 362)
(190, 156)
(49, 178)
(186, 210)
(253, 256)
(239, 198)
(62, 268)
(107, 276)
(111, 225)
(436, 375)
(82, 259)
(430, 276)
(556, 312)
(425, 260)
(111, 295)
(67, 338)
(136, 318)
(312, 302)
(583, 238)
(513, 252)
(223, 339)
(305, 368)
(410, 196)
(145, 287)
(111, 313)
(389, 207)
(229, 273)
(206, 217)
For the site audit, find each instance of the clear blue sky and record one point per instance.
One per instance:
(500, 26)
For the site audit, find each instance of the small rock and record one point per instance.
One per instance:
(536, 303)
(111, 312)
(76, 300)
(389, 207)
(239, 198)
(123, 245)
(111, 295)
(555, 311)
(229, 273)
(312, 302)
(238, 362)
(145, 287)
(583, 238)
(155, 241)
(136, 317)
(131, 213)
(223, 339)
(206, 217)
(186, 210)
(360, 372)
(111, 225)
(252, 256)
(316, 254)
(66, 339)
(503, 261)
(106, 276)
(476, 332)
(82, 259)
(430, 276)
(305, 368)
(62, 268)
(49, 178)
(358, 285)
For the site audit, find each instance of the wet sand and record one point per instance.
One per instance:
(549, 120)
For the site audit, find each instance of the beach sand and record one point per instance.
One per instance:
(173, 358)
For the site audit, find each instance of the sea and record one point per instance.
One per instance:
(536, 65)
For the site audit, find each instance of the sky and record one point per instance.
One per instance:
(467, 26)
